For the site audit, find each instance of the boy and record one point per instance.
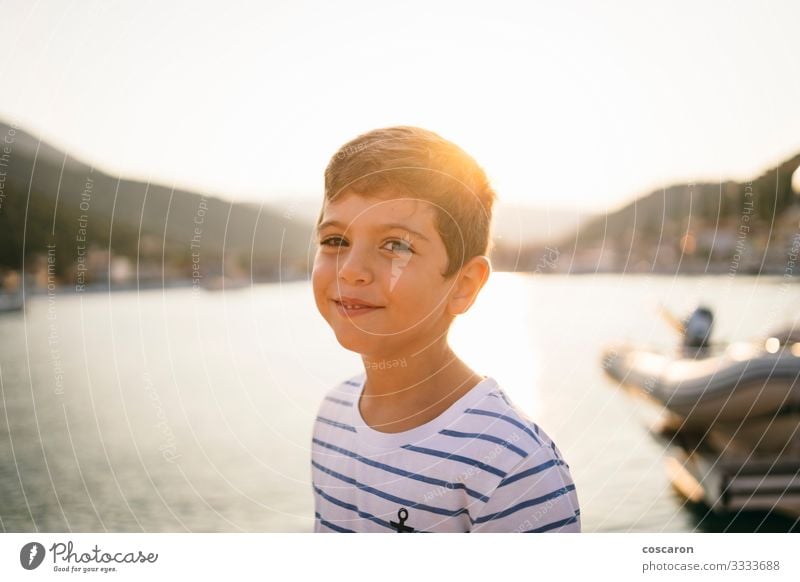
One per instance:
(419, 442)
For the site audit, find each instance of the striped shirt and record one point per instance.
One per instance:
(480, 466)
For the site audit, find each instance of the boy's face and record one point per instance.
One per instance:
(385, 252)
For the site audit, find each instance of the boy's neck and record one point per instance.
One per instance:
(403, 393)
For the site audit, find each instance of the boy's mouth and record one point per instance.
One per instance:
(350, 306)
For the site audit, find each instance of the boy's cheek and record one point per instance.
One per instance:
(318, 286)
(317, 262)
(323, 306)
(321, 270)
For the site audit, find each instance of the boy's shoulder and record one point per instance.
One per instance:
(496, 419)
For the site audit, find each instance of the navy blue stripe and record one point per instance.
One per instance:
(553, 525)
(389, 496)
(352, 383)
(332, 526)
(459, 458)
(524, 504)
(352, 507)
(533, 471)
(486, 437)
(403, 472)
(507, 419)
(336, 424)
(338, 401)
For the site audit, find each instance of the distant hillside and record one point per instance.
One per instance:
(704, 227)
(677, 205)
(48, 197)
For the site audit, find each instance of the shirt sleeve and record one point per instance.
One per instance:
(538, 495)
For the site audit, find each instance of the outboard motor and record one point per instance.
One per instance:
(697, 328)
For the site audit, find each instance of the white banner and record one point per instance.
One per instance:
(374, 557)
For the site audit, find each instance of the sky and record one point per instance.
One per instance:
(579, 105)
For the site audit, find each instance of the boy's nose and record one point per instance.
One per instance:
(354, 266)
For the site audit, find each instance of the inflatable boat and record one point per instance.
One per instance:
(729, 414)
(708, 386)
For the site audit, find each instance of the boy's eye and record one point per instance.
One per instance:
(336, 241)
(404, 247)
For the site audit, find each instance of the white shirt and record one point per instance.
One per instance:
(480, 466)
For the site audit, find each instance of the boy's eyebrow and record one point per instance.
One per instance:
(385, 226)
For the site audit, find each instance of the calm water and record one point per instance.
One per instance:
(176, 411)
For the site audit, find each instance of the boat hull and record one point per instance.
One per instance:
(710, 389)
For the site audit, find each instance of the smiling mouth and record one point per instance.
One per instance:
(351, 310)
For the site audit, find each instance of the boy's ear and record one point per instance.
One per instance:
(469, 281)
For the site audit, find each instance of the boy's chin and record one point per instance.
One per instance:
(360, 342)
